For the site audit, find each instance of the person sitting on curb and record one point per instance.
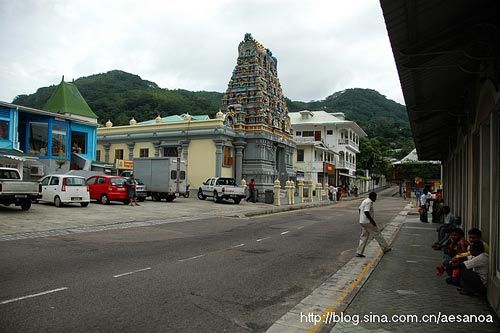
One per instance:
(474, 234)
(369, 226)
(474, 271)
(446, 228)
(456, 244)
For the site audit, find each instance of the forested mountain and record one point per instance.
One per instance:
(118, 96)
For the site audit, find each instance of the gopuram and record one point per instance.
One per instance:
(254, 106)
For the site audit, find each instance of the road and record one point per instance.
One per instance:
(210, 275)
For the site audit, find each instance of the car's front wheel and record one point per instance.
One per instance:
(216, 197)
(237, 200)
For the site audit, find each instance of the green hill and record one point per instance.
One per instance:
(118, 96)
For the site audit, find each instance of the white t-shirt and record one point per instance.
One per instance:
(366, 206)
(479, 264)
(423, 199)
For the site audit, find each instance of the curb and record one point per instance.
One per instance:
(338, 291)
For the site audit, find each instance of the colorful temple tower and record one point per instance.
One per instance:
(254, 106)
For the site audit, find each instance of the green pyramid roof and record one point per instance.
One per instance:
(67, 99)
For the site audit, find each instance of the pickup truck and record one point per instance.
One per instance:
(14, 191)
(221, 188)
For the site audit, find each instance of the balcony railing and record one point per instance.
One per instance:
(348, 142)
(346, 165)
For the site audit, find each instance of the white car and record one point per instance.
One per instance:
(64, 189)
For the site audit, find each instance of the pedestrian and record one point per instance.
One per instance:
(251, 190)
(130, 183)
(330, 192)
(424, 197)
(334, 193)
(370, 229)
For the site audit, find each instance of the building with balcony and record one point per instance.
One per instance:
(333, 132)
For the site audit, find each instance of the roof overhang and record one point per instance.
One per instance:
(441, 52)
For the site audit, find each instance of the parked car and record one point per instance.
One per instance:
(64, 189)
(14, 191)
(105, 188)
(221, 188)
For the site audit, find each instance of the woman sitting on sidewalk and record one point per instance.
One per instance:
(474, 271)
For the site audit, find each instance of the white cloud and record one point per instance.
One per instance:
(321, 46)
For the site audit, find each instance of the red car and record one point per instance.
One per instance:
(106, 188)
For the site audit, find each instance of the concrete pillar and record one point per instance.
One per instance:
(319, 190)
(288, 187)
(292, 185)
(107, 147)
(156, 144)
(277, 187)
(130, 146)
(185, 150)
(219, 155)
(239, 146)
(300, 184)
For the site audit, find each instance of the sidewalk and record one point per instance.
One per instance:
(404, 282)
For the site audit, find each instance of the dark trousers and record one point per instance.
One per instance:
(251, 196)
(471, 282)
(423, 216)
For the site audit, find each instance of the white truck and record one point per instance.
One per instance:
(221, 188)
(14, 191)
(164, 177)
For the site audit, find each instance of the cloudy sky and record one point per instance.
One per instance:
(322, 46)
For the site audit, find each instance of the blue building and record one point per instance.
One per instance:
(61, 137)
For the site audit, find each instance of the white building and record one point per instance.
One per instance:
(335, 141)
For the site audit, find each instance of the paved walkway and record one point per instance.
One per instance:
(404, 282)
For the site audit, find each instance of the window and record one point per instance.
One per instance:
(58, 140)
(98, 155)
(144, 152)
(329, 132)
(170, 152)
(4, 130)
(54, 181)
(101, 181)
(45, 181)
(75, 181)
(308, 133)
(91, 181)
(300, 155)
(79, 142)
(116, 181)
(228, 158)
(173, 174)
(182, 175)
(8, 174)
(298, 133)
(119, 154)
(38, 138)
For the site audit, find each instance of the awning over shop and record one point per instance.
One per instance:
(346, 175)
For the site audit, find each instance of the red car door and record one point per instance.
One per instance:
(91, 183)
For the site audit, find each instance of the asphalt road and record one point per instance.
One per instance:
(211, 275)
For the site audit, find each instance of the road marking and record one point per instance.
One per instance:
(412, 261)
(416, 245)
(34, 295)
(261, 239)
(285, 232)
(239, 245)
(195, 257)
(300, 227)
(136, 271)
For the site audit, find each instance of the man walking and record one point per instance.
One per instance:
(369, 226)
(251, 189)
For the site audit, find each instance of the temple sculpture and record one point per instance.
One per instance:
(255, 107)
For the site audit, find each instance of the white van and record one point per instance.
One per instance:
(63, 189)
